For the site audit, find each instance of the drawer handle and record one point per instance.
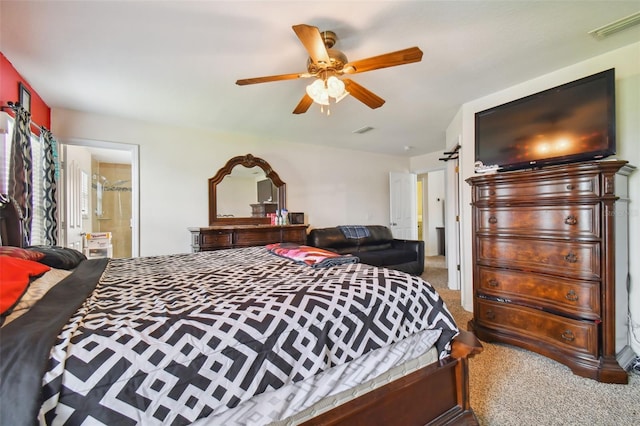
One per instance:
(568, 336)
(493, 282)
(492, 192)
(490, 314)
(572, 295)
(570, 187)
(571, 258)
(493, 219)
(571, 220)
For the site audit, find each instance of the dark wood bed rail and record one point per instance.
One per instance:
(437, 394)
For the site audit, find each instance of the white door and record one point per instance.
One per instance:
(77, 167)
(404, 210)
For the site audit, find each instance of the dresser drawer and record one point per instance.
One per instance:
(578, 299)
(257, 236)
(526, 190)
(298, 236)
(544, 328)
(563, 258)
(580, 221)
(216, 239)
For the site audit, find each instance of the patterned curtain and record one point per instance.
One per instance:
(21, 170)
(49, 187)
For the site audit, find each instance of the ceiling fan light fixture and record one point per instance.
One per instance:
(335, 87)
(321, 90)
(323, 99)
(342, 96)
(318, 92)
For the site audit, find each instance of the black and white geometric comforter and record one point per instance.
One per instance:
(171, 339)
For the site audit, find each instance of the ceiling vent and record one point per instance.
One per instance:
(615, 26)
(364, 129)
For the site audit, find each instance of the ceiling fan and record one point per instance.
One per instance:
(327, 64)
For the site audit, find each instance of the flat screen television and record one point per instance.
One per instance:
(569, 123)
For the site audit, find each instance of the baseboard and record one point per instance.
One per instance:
(626, 357)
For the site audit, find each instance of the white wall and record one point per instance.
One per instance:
(331, 186)
(626, 61)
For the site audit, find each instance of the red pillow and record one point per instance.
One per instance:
(20, 253)
(15, 275)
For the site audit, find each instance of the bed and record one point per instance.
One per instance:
(239, 336)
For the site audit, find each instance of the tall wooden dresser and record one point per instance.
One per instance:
(551, 263)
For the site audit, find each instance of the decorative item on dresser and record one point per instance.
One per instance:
(551, 264)
(263, 209)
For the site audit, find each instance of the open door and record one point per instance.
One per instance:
(403, 205)
(76, 208)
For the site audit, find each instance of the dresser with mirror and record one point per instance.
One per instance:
(239, 213)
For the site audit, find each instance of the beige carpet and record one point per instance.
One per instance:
(513, 386)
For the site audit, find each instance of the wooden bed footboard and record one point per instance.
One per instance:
(437, 394)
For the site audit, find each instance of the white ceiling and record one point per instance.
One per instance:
(176, 62)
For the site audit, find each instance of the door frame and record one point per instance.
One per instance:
(134, 150)
(452, 216)
(452, 222)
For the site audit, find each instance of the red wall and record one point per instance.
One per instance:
(9, 79)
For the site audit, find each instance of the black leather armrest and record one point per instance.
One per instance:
(416, 245)
(416, 267)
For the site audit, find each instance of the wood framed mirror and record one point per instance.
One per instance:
(250, 162)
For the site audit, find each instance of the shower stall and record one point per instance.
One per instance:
(111, 197)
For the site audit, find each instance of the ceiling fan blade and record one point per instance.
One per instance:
(365, 96)
(401, 57)
(313, 42)
(304, 104)
(244, 82)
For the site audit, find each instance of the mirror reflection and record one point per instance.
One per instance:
(246, 190)
(241, 192)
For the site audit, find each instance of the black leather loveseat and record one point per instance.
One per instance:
(373, 244)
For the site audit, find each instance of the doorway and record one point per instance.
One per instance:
(440, 216)
(100, 194)
(432, 212)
